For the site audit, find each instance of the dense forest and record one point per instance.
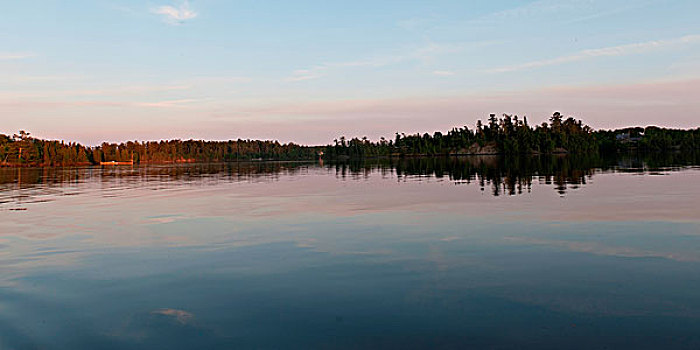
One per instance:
(22, 149)
(506, 135)
(512, 135)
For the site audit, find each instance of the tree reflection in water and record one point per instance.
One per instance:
(500, 175)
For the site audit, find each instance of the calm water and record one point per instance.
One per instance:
(424, 253)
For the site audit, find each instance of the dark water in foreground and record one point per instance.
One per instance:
(426, 253)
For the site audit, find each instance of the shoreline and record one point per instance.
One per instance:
(395, 156)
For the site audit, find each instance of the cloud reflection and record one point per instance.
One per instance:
(181, 316)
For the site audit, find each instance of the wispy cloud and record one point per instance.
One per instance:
(535, 8)
(179, 103)
(124, 9)
(423, 54)
(306, 74)
(41, 78)
(597, 248)
(444, 73)
(175, 15)
(612, 51)
(416, 23)
(563, 10)
(609, 12)
(15, 56)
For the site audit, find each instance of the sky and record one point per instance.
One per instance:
(311, 71)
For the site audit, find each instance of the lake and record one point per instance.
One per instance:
(472, 252)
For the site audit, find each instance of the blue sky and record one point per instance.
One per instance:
(309, 71)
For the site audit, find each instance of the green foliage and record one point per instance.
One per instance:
(507, 135)
(649, 139)
(25, 150)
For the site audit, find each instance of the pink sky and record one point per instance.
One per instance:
(663, 103)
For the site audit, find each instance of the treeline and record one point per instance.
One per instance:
(22, 149)
(506, 135)
(201, 151)
(512, 135)
(649, 139)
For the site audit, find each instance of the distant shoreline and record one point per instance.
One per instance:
(508, 135)
(341, 160)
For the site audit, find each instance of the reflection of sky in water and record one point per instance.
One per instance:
(303, 257)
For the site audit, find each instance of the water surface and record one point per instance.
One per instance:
(482, 252)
